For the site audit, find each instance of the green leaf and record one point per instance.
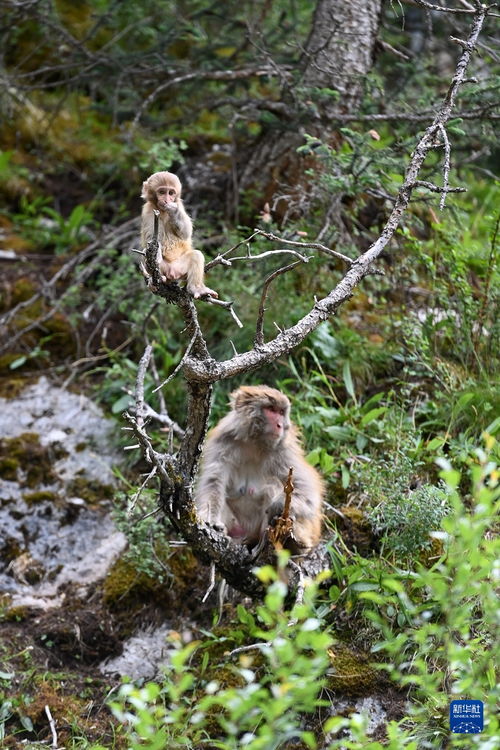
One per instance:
(349, 385)
(343, 434)
(372, 415)
(122, 404)
(18, 362)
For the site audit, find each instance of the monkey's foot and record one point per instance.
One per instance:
(202, 291)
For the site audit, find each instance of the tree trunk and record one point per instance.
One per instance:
(337, 56)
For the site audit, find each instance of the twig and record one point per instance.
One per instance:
(227, 305)
(135, 497)
(139, 385)
(252, 647)
(259, 330)
(157, 459)
(52, 725)
(269, 253)
(221, 258)
(312, 245)
(436, 189)
(179, 365)
(446, 166)
(211, 584)
(283, 527)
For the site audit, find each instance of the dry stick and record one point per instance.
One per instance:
(178, 367)
(311, 245)
(139, 385)
(135, 497)
(283, 527)
(221, 258)
(157, 459)
(436, 189)
(289, 488)
(52, 725)
(228, 305)
(259, 330)
(211, 583)
(446, 166)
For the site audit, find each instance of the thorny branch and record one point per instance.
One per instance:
(201, 370)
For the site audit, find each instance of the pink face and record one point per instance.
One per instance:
(165, 194)
(277, 421)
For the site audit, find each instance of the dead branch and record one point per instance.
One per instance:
(259, 331)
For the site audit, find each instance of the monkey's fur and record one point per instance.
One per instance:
(245, 465)
(176, 256)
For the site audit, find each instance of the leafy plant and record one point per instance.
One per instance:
(275, 681)
(406, 520)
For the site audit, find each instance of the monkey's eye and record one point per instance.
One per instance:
(171, 191)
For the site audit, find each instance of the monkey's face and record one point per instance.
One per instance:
(166, 197)
(276, 423)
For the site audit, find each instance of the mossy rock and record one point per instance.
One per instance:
(92, 491)
(127, 588)
(351, 672)
(11, 387)
(33, 498)
(35, 460)
(8, 468)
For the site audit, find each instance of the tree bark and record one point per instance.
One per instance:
(337, 56)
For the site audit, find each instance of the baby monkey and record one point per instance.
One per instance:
(245, 465)
(177, 259)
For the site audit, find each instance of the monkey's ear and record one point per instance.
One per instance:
(145, 190)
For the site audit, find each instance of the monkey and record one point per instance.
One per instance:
(244, 466)
(177, 258)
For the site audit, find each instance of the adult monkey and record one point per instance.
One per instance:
(177, 258)
(245, 464)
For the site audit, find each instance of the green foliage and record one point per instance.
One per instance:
(363, 162)
(275, 682)
(439, 624)
(146, 531)
(161, 156)
(406, 519)
(47, 228)
(434, 629)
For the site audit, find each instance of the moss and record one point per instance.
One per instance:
(33, 459)
(90, 490)
(11, 387)
(7, 359)
(11, 549)
(350, 673)
(127, 588)
(8, 468)
(64, 708)
(22, 290)
(32, 498)
(184, 567)
(62, 342)
(15, 614)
